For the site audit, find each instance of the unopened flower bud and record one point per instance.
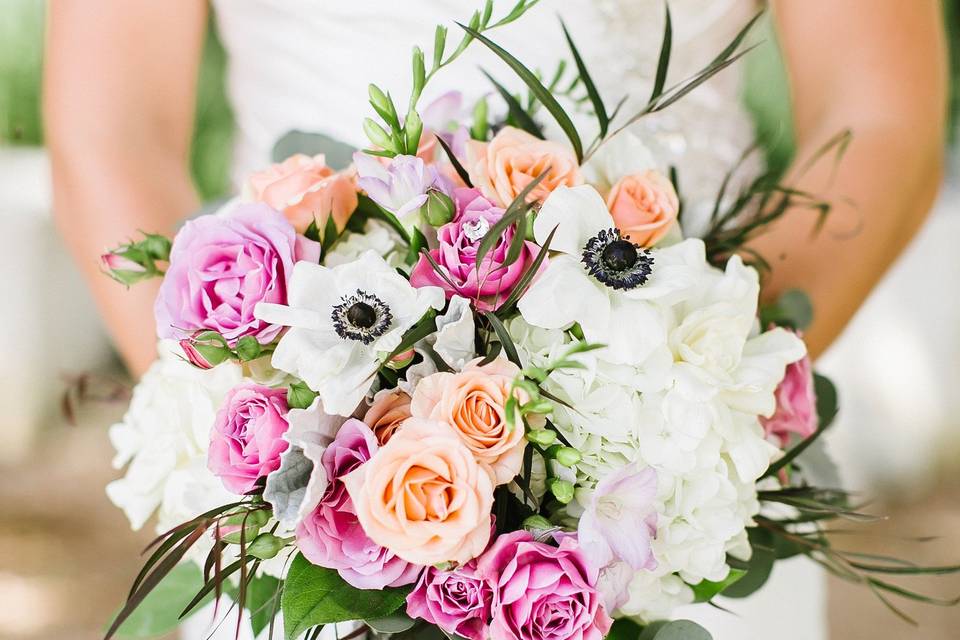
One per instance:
(205, 351)
(543, 437)
(537, 523)
(439, 208)
(122, 265)
(248, 348)
(265, 546)
(561, 490)
(567, 456)
(250, 523)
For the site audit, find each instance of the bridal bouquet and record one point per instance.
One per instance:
(476, 382)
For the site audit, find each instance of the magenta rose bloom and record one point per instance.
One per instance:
(222, 265)
(247, 436)
(457, 601)
(332, 536)
(542, 592)
(796, 404)
(489, 284)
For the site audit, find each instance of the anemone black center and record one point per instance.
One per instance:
(619, 255)
(362, 315)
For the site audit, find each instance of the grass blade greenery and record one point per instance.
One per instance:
(598, 107)
(516, 114)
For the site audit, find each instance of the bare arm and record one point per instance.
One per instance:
(119, 93)
(879, 68)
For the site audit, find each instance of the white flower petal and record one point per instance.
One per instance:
(578, 213)
(565, 294)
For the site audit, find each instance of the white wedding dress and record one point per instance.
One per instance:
(305, 64)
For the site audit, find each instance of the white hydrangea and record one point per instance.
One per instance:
(163, 441)
(689, 408)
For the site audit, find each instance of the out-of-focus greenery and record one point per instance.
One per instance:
(21, 63)
(21, 56)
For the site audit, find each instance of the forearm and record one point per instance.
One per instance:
(880, 191)
(101, 202)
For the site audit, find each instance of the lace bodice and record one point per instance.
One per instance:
(305, 64)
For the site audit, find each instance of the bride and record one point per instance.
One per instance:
(120, 90)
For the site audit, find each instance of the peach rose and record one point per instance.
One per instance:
(305, 190)
(387, 412)
(644, 206)
(424, 496)
(473, 402)
(502, 167)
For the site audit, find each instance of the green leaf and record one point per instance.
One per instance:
(523, 282)
(675, 630)
(536, 88)
(504, 336)
(455, 162)
(759, 566)
(300, 396)
(263, 601)
(792, 309)
(515, 111)
(624, 629)
(315, 595)
(826, 411)
(158, 613)
(598, 107)
(338, 155)
(706, 589)
(397, 623)
(480, 126)
(664, 61)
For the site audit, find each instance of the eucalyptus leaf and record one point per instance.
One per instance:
(792, 309)
(315, 595)
(624, 629)
(158, 613)
(676, 630)
(395, 623)
(338, 155)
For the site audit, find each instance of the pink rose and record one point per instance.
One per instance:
(221, 266)
(542, 592)
(502, 167)
(247, 436)
(332, 536)
(489, 284)
(473, 402)
(644, 206)
(306, 190)
(796, 404)
(424, 496)
(457, 601)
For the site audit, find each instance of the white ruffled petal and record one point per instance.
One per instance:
(565, 294)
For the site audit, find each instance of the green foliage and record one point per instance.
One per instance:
(758, 567)
(624, 629)
(675, 630)
(159, 611)
(338, 155)
(300, 396)
(263, 601)
(315, 596)
(21, 61)
(792, 309)
(707, 589)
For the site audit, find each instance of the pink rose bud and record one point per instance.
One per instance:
(796, 404)
(401, 360)
(205, 349)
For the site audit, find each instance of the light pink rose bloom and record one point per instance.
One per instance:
(487, 285)
(424, 496)
(473, 402)
(457, 601)
(644, 206)
(503, 167)
(222, 266)
(387, 412)
(542, 592)
(247, 436)
(796, 404)
(306, 190)
(332, 536)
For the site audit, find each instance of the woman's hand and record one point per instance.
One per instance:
(879, 69)
(119, 96)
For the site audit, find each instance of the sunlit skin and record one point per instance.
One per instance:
(119, 106)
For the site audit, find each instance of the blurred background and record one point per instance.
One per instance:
(897, 367)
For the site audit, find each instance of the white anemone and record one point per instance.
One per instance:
(342, 321)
